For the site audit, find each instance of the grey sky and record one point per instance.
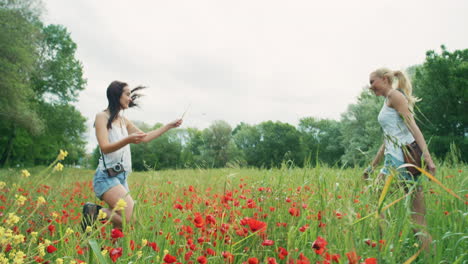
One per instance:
(249, 61)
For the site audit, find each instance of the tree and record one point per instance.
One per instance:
(278, 142)
(18, 55)
(247, 139)
(361, 132)
(39, 77)
(321, 139)
(442, 83)
(219, 148)
(161, 153)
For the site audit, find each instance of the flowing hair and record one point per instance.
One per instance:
(404, 84)
(114, 91)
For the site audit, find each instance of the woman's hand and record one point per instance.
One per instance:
(136, 137)
(175, 123)
(431, 167)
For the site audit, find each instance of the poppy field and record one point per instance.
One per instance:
(232, 215)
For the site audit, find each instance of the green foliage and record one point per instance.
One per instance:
(321, 139)
(18, 61)
(361, 133)
(162, 153)
(442, 83)
(39, 77)
(218, 146)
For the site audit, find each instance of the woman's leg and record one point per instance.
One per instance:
(418, 216)
(111, 197)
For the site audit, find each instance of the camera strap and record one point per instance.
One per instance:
(104, 160)
(102, 154)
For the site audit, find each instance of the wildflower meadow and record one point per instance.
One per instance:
(232, 215)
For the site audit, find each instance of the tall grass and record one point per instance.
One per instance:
(329, 201)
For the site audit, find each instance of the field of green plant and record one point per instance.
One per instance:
(234, 215)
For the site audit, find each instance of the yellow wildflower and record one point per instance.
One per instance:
(19, 257)
(34, 234)
(139, 253)
(166, 252)
(12, 219)
(20, 199)
(104, 252)
(47, 242)
(88, 229)
(62, 155)
(25, 173)
(59, 261)
(58, 167)
(72, 262)
(3, 259)
(2, 184)
(55, 215)
(102, 215)
(121, 204)
(41, 200)
(18, 239)
(41, 249)
(69, 231)
(144, 242)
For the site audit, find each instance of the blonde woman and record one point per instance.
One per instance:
(400, 128)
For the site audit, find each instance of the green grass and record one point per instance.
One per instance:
(329, 192)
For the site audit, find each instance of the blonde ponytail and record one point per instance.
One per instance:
(404, 85)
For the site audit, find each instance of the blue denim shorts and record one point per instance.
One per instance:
(102, 182)
(392, 163)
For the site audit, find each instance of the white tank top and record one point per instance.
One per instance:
(123, 155)
(396, 133)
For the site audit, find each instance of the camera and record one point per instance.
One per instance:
(116, 169)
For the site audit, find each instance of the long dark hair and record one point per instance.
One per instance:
(114, 91)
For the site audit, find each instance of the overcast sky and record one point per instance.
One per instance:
(248, 61)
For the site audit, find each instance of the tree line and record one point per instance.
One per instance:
(40, 77)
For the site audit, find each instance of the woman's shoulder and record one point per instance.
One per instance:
(397, 96)
(102, 116)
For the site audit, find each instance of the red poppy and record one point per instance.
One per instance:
(228, 257)
(115, 253)
(304, 228)
(154, 246)
(272, 261)
(198, 221)
(282, 253)
(268, 242)
(294, 211)
(319, 245)
(353, 258)
(210, 219)
(254, 224)
(169, 259)
(210, 251)
(51, 229)
(51, 249)
(252, 261)
(116, 233)
(370, 261)
(202, 260)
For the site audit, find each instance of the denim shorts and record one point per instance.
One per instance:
(392, 163)
(102, 182)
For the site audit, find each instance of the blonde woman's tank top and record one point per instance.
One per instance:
(396, 133)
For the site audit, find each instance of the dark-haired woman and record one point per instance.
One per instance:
(115, 133)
